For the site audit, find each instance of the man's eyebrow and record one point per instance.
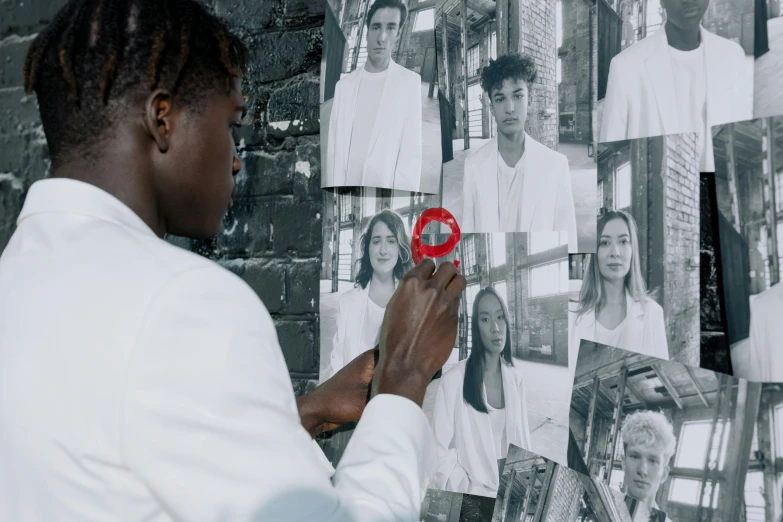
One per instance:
(519, 89)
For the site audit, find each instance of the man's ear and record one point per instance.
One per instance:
(665, 475)
(159, 117)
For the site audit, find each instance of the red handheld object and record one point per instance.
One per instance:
(441, 215)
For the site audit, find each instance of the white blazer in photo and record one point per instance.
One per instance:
(466, 447)
(394, 156)
(645, 330)
(641, 100)
(347, 342)
(766, 336)
(548, 203)
(140, 381)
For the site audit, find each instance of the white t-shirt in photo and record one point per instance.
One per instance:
(510, 194)
(368, 99)
(371, 329)
(690, 87)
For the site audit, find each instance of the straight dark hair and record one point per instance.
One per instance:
(388, 4)
(473, 385)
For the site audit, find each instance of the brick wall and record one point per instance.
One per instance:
(533, 33)
(577, 55)
(681, 263)
(272, 238)
(564, 495)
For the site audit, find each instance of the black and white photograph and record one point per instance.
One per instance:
(516, 77)
(447, 506)
(675, 440)
(768, 70)
(380, 116)
(507, 381)
(674, 66)
(640, 290)
(535, 489)
(749, 197)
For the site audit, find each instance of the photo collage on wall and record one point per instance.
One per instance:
(612, 166)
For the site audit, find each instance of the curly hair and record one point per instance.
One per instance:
(512, 66)
(649, 428)
(96, 53)
(405, 260)
(389, 4)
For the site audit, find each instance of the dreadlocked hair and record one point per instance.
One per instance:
(96, 54)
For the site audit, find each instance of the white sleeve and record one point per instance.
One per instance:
(210, 423)
(565, 212)
(331, 177)
(614, 119)
(467, 223)
(450, 474)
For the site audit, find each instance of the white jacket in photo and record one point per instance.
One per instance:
(766, 336)
(394, 156)
(140, 381)
(645, 331)
(641, 100)
(466, 447)
(548, 203)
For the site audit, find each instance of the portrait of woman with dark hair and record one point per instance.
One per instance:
(385, 258)
(480, 406)
(614, 307)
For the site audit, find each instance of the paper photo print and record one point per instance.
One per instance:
(679, 442)
(769, 51)
(447, 506)
(749, 216)
(507, 380)
(640, 290)
(380, 115)
(674, 66)
(521, 107)
(535, 489)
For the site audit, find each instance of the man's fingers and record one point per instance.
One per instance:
(444, 274)
(456, 286)
(423, 269)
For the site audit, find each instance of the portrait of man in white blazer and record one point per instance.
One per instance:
(682, 78)
(514, 183)
(375, 125)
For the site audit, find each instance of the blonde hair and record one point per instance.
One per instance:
(592, 292)
(651, 429)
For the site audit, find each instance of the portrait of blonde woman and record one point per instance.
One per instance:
(480, 406)
(614, 306)
(385, 258)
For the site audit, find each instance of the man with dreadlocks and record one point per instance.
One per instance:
(139, 381)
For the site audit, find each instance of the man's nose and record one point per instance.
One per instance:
(510, 108)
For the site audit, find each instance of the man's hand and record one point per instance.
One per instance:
(419, 330)
(340, 399)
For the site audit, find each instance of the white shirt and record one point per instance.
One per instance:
(497, 419)
(367, 102)
(510, 181)
(609, 337)
(690, 84)
(142, 382)
(371, 329)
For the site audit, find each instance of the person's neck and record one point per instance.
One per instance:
(372, 66)
(682, 39)
(614, 292)
(133, 189)
(491, 363)
(511, 147)
(380, 280)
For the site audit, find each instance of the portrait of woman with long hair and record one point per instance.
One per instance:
(614, 307)
(385, 258)
(480, 405)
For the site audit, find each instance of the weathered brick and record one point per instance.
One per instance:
(303, 386)
(303, 280)
(247, 227)
(282, 55)
(267, 279)
(18, 112)
(301, 13)
(266, 173)
(25, 155)
(28, 16)
(297, 100)
(307, 170)
(248, 14)
(298, 342)
(297, 226)
(13, 50)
